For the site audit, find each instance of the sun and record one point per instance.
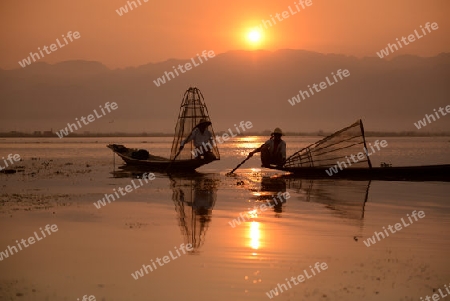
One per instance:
(255, 36)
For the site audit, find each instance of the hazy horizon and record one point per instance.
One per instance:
(388, 58)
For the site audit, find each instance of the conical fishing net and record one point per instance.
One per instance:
(339, 146)
(192, 110)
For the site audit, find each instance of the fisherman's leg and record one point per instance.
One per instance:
(278, 160)
(209, 156)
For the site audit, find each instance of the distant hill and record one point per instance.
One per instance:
(389, 95)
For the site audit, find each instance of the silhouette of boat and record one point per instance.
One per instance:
(142, 159)
(398, 173)
(193, 110)
(330, 158)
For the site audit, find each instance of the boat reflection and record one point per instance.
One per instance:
(194, 200)
(194, 195)
(347, 199)
(271, 190)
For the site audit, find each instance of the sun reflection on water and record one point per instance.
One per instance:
(255, 236)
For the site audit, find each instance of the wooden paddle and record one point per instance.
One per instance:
(170, 165)
(248, 157)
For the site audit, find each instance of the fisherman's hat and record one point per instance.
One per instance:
(277, 131)
(204, 122)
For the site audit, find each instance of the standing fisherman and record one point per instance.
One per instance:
(202, 138)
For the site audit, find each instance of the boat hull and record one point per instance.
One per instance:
(399, 173)
(156, 163)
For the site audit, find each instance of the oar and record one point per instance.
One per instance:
(170, 165)
(248, 157)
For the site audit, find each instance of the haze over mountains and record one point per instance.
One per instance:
(389, 95)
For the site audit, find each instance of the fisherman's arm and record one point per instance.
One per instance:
(189, 138)
(257, 150)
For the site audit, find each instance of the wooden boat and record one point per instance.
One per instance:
(397, 173)
(137, 158)
(318, 159)
(193, 114)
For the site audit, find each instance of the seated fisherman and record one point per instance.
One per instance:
(273, 151)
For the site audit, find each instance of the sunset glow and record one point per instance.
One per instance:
(255, 36)
(266, 144)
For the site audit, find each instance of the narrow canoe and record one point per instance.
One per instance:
(398, 173)
(156, 163)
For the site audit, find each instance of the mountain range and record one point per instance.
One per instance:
(388, 95)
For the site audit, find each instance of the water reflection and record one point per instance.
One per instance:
(271, 190)
(255, 235)
(347, 199)
(194, 200)
(194, 196)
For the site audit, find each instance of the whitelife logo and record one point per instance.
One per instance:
(35, 56)
(323, 85)
(436, 297)
(31, 240)
(371, 240)
(166, 259)
(110, 197)
(411, 38)
(423, 122)
(246, 216)
(124, 9)
(188, 66)
(86, 298)
(274, 292)
(285, 14)
(360, 156)
(90, 118)
(10, 157)
(206, 147)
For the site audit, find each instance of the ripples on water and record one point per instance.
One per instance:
(322, 221)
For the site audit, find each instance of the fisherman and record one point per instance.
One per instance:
(202, 138)
(273, 151)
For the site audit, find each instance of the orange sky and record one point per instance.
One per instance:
(159, 30)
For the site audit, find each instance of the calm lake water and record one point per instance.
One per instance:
(96, 251)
